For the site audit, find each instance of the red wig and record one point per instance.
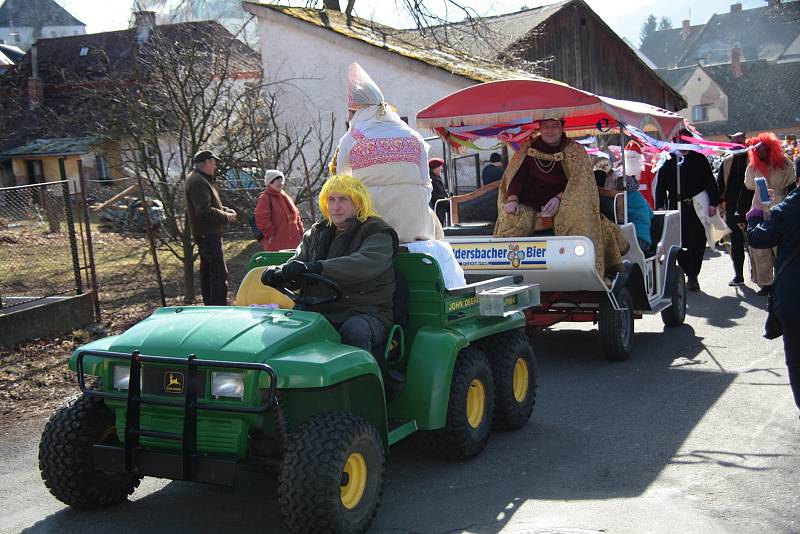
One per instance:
(775, 158)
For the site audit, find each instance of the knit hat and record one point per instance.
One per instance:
(435, 162)
(272, 175)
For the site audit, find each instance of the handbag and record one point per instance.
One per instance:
(772, 326)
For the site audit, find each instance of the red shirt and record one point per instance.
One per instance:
(532, 185)
(646, 184)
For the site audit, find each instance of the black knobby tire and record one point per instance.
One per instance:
(65, 456)
(676, 288)
(616, 327)
(460, 439)
(313, 473)
(514, 373)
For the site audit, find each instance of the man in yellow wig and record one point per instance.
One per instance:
(355, 248)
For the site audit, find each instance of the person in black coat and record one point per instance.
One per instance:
(730, 182)
(782, 229)
(435, 168)
(493, 171)
(696, 177)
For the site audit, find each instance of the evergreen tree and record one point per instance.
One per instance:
(648, 27)
(665, 23)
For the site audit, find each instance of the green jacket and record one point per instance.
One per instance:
(203, 206)
(359, 259)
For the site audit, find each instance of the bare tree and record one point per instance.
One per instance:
(197, 87)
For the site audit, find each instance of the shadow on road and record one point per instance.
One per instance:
(600, 430)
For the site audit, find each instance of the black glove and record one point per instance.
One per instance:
(293, 269)
(273, 277)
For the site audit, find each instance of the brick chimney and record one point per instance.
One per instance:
(35, 85)
(736, 8)
(736, 61)
(686, 29)
(774, 3)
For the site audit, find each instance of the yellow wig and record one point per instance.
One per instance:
(351, 187)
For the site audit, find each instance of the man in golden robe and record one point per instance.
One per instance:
(549, 184)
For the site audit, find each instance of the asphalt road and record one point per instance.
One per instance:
(697, 432)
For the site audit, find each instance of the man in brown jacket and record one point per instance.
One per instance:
(207, 218)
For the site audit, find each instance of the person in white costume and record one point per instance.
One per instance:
(390, 159)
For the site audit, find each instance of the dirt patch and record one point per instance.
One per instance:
(34, 378)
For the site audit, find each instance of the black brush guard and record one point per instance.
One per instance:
(187, 465)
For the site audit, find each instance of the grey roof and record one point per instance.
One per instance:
(77, 87)
(764, 97)
(666, 47)
(11, 52)
(676, 78)
(35, 14)
(761, 33)
(55, 147)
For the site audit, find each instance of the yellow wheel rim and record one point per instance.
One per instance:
(354, 480)
(520, 380)
(476, 402)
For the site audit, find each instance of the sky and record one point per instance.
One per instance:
(623, 16)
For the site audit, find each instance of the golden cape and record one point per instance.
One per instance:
(579, 212)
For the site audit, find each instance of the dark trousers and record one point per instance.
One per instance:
(693, 240)
(365, 332)
(213, 271)
(737, 242)
(791, 348)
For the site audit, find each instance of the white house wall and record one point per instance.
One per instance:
(310, 64)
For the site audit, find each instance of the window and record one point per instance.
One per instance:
(101, 164)
(84, 51)
(700, 113)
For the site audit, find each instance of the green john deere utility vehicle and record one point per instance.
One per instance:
(191, 392)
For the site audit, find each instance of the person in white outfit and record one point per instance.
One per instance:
(389, 157)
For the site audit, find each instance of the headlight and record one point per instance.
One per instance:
(227, 385)
(122, 376)
(580, 250)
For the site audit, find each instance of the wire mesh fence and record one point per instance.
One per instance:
(127, 273)
(54, 243)
(465, 173)
(39, 254)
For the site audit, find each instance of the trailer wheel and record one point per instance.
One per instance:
(514, 373)
(65, 456)
(331, 475)
(676, 285)
(470, 410)
(616, 327)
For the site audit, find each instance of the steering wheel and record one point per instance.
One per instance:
(309, 279)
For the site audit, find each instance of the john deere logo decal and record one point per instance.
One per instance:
(173, 382)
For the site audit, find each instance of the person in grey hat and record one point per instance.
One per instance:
(730, 182)
(207, 219)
